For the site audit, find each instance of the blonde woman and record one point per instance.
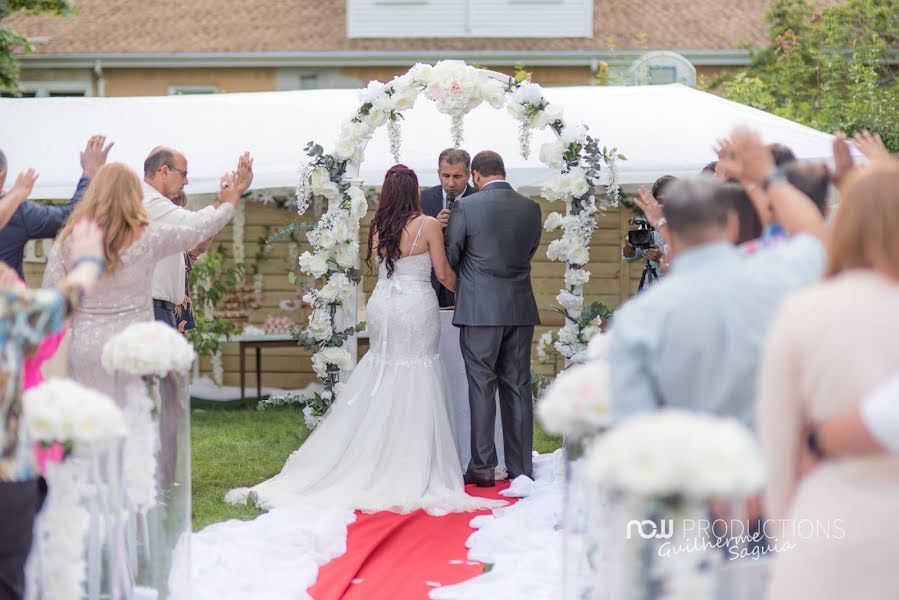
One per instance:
(131, 247)
(829, 346)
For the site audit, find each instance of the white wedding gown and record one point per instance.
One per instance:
(387, 442)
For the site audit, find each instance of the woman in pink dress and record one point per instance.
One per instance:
(830, 346)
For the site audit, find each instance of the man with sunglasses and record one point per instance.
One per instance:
(165, 175)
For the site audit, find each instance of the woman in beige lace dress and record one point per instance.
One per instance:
(829, 347)
(132, 246)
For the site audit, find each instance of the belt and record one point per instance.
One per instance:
(163, 304)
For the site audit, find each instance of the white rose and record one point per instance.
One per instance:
(344, 149)
(313, 264)
(326, 239)
(552, 113)
(371, 92)
(578, 255)
(347, 254)
(358, 202)
(496, 96)
(551, 153)
(573, 133)
(577, 402)
(337, 289)
(320, 325)
(516, 110)
(553, 221)
(421, 72)
(318, 178)
(337, 356)
(376, 117)
(319, 365)
(579, 187)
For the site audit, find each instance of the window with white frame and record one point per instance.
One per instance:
(469, 18)
(189, 90)
(53, 89)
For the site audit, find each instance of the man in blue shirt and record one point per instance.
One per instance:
(693, 340)
(33, 221)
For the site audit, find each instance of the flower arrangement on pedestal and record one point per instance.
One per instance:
(62, 414)
(456, 89)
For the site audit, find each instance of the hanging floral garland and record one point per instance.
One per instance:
(456, 89)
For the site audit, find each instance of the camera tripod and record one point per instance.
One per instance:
(649, 276)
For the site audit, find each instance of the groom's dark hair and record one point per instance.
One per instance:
(488, 163)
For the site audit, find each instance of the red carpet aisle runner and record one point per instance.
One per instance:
(402, 557)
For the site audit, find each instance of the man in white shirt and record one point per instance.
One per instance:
(165, 175)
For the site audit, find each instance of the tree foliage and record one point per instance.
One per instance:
(832, 69)
(12, 42)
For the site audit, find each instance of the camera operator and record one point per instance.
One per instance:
(646, 242)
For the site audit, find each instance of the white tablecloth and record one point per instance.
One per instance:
(451, 355)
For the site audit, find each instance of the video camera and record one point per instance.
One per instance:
(641, 235)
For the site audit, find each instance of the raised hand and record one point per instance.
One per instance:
(870, 145)
(244, 173)
(228, 190)
(842, 158)
(94, 155)
(745, 158)
(24, 184)
(649, 205)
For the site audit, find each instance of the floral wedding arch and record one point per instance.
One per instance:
(456, 88)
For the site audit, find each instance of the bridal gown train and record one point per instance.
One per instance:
(387, 442)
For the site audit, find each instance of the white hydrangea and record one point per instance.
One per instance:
(577, 402)
(358, 203)
(570, 302)
(576, 277)
(148, 348)
(573, 133)
(678, 452)
(558, 249)
(578, 255)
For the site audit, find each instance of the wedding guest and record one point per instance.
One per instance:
(165, 175)
(184, 312)
(454, 170)
(32, 221)
(815, 367)
(692, 341)
(27, 317)
(869, 428)
(132, 246)
(655, 252)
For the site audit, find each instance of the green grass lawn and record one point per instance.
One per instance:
(237, 447)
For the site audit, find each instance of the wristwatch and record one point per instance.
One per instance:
(811, 440)
(661, 222)
(775, 176)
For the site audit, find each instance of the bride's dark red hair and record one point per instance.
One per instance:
(400, 201)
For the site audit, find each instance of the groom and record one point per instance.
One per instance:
(491, 237)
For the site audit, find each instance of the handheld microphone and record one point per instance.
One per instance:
(450, 199)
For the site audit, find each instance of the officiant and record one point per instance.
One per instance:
(454, 170)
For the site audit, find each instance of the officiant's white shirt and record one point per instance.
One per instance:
(457, 197)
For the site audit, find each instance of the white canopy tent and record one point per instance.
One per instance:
(661, 129)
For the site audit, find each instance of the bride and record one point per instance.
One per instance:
(387, 442)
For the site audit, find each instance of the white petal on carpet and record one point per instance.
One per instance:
(273, 557)
(523, 542)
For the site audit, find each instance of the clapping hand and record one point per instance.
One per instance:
(842, 159)
(649, 205)
(228, 190)
(244, 173)
(94, 155)
(871, 145)
(745, 158)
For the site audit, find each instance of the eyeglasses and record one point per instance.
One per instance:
(182, 171)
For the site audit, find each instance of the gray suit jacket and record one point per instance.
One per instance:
(491, 238)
